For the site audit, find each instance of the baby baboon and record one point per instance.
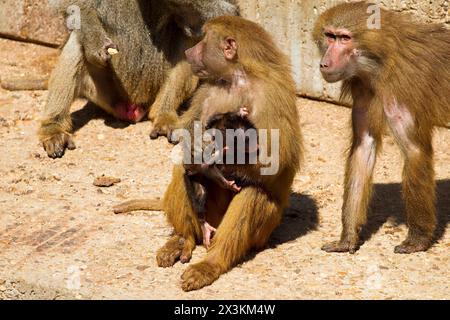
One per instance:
(227, 125)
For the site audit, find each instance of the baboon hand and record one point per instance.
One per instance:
(56, 145)
(163, 126)
(243, 112)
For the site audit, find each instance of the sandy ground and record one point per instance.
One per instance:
(59, 238)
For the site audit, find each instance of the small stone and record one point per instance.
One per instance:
(142, 268)
(106, 182)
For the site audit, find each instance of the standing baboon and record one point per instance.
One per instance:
(398, 75)
(148, 70)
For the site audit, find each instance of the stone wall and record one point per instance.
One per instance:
(31, 20)
(290, 21)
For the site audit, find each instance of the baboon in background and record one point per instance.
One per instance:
(97, 44)
(149, 70)
(398, 75)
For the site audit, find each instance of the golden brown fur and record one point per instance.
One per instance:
(400, 79)
(252, 214)
(244, 220)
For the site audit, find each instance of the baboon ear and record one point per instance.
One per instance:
(229, 47)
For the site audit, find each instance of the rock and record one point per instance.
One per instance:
(106, 182)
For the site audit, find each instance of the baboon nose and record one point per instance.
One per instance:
(324, 65)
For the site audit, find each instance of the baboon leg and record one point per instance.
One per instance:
(177, 88)
(418, 179)
(98, 87)
(247, 224)
(56, 126)
(186, 224)
(358, 183)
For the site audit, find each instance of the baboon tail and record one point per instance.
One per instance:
(138, 205)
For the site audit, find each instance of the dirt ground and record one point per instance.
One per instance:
(59, 238)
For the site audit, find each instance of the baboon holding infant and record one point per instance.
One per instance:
(127, 58)
(241, 68)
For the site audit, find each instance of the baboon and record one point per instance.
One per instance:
(231, 128)
(214, 169)
(238, 62)
(149, 70)
(199, 176)
(398, 75)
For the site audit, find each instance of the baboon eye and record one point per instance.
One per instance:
(345, 38)
(330, 35)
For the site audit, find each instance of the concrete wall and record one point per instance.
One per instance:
(31, 20)
(290, 21)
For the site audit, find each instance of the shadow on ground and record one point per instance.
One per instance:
(90, 112)
(388, 204)
(299, 219)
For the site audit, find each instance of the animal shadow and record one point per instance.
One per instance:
(388, 204)
(82, 117)
(299, 219)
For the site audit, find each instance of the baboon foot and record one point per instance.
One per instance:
(413, 244)
(163, 126)
(199, 276)
(177, 248)
(341, 246)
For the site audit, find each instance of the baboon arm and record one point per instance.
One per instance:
(64, 82)
(358, 177)
(179, 86)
